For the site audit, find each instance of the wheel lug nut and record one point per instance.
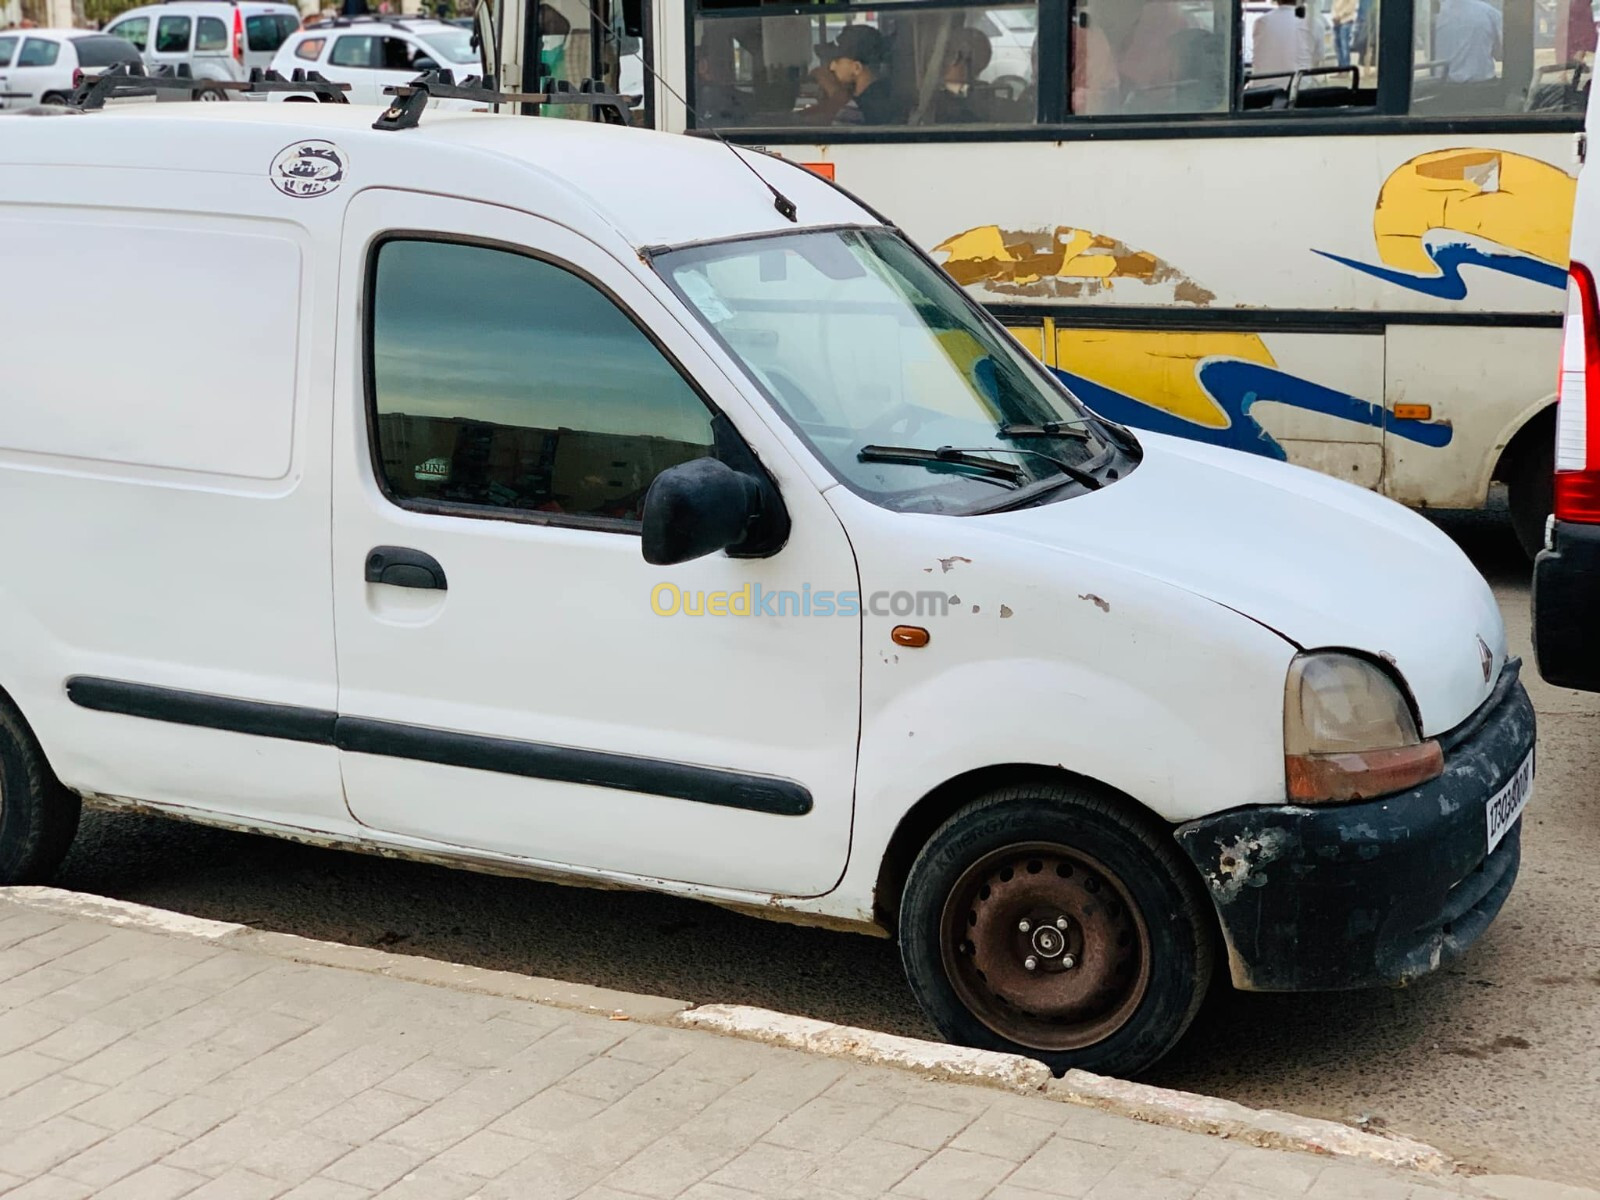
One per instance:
(1061, 922)
(1030, 962)
(1024, 925)
(1068, 962)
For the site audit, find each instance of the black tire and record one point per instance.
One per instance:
(38, 817)
(1143, 884)
(209, 95)
(1531, 487)
(60, 98)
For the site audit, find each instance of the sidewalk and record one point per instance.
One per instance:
(138, 1065)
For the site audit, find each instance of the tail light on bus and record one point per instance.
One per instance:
(1578, 413)
(238, 36)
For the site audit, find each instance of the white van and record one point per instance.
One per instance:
(513, 515)
(218, 40)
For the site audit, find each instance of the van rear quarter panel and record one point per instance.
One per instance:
(164, 456)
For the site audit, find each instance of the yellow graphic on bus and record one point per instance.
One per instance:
(1520, 206)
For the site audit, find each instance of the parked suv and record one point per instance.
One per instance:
(42, 66)
(215, 39)
(372, 53)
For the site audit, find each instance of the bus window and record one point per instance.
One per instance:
(1150, 56)
(1482, 57)
(867, 67)
(1315, 55)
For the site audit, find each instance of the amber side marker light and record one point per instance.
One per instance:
(1361, 775)
(914, 636)
(823, 169)
(1413, 412)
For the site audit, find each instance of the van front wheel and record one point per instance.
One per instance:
(38, 817)
(1047, 921)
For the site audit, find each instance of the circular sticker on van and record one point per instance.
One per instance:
(309, 168)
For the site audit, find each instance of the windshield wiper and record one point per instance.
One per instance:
(974, 456)
(996, 471)
(1072, 429)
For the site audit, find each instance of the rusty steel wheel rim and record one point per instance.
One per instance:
(1045, 946)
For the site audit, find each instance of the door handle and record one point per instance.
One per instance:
(400, 566)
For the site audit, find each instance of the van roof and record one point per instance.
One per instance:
(651, 188)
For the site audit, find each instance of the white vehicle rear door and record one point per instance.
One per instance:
(354, 59)
(39, 68)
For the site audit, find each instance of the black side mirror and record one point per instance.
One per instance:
(697, 508)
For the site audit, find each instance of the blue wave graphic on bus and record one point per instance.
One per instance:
(1237, 386)
(1449, 259)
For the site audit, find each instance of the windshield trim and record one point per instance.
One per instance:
(1113, 438)
(651, 253)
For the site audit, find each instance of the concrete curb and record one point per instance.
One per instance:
(1141, 1102)
(958, 1063)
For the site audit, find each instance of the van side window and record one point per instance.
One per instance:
(172, 35)
(210, 34)
(36, 52)
(135, 31)
(8, 47)
(509, 384)
(310, 49)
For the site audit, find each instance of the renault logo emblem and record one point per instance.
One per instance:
(1485, 659)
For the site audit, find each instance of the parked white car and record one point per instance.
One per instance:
(42, 66)
(706, 537)
(216, 39)
(373, 53)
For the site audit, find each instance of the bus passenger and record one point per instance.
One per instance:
(1096, 82)
(966, 59)
(1288, 40)
(854, 88)
(1466, 38)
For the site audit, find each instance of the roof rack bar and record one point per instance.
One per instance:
(117, 82)
(412, 98)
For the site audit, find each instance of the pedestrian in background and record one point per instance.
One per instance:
(1345, 14)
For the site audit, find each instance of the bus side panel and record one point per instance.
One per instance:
(1483, 384)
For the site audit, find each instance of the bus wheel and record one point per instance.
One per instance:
(1530, 484)
(1048, 921)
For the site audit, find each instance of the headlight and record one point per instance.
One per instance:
(1348, 733)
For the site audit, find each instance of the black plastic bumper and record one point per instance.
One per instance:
(1566, 607)
(1381, 892)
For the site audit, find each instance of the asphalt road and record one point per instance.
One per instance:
(1496, 1060)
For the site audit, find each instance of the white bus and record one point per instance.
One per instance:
(1357, 263)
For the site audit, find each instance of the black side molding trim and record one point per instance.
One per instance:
(394, 739)
(289, 722)
(565, 764)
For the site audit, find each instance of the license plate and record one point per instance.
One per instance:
(1506, 805)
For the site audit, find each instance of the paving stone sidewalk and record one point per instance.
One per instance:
(145, 1066)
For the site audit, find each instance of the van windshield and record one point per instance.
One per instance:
(912, 395)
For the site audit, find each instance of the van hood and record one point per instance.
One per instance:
(1324, 564)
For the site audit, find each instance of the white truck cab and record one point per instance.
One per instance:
(559, 499)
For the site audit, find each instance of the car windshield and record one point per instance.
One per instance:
(912, 395)
(455, 45)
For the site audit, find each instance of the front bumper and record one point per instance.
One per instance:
(1566, 607)
(1381, 892)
